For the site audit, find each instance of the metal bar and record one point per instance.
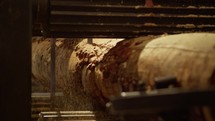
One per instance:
(131, 28)
(70, 6)
(74, 116)
(90, 40)
(53, 77)
(67, 112)
(103, 18)
(147, 103)
(102, 34)
(142, 2)
(44, 94)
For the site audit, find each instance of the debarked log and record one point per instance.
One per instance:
(41, 60)
(105, 68)
(188, 57)
(72, 56)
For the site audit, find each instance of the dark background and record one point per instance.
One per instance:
(15, 60)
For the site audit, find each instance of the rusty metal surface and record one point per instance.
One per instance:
(125, 18)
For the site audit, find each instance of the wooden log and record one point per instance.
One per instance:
(118, 69)
(189, 57)
(84, 59)
(41, 60)
(71, 57)
(102, 69)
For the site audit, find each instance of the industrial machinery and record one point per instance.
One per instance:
(107, 19)
(130, 19)
(121, 18)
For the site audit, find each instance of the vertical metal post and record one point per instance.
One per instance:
(90, 40)
(53, 78)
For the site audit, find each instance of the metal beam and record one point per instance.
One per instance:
(15, 60)
(123, 18)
